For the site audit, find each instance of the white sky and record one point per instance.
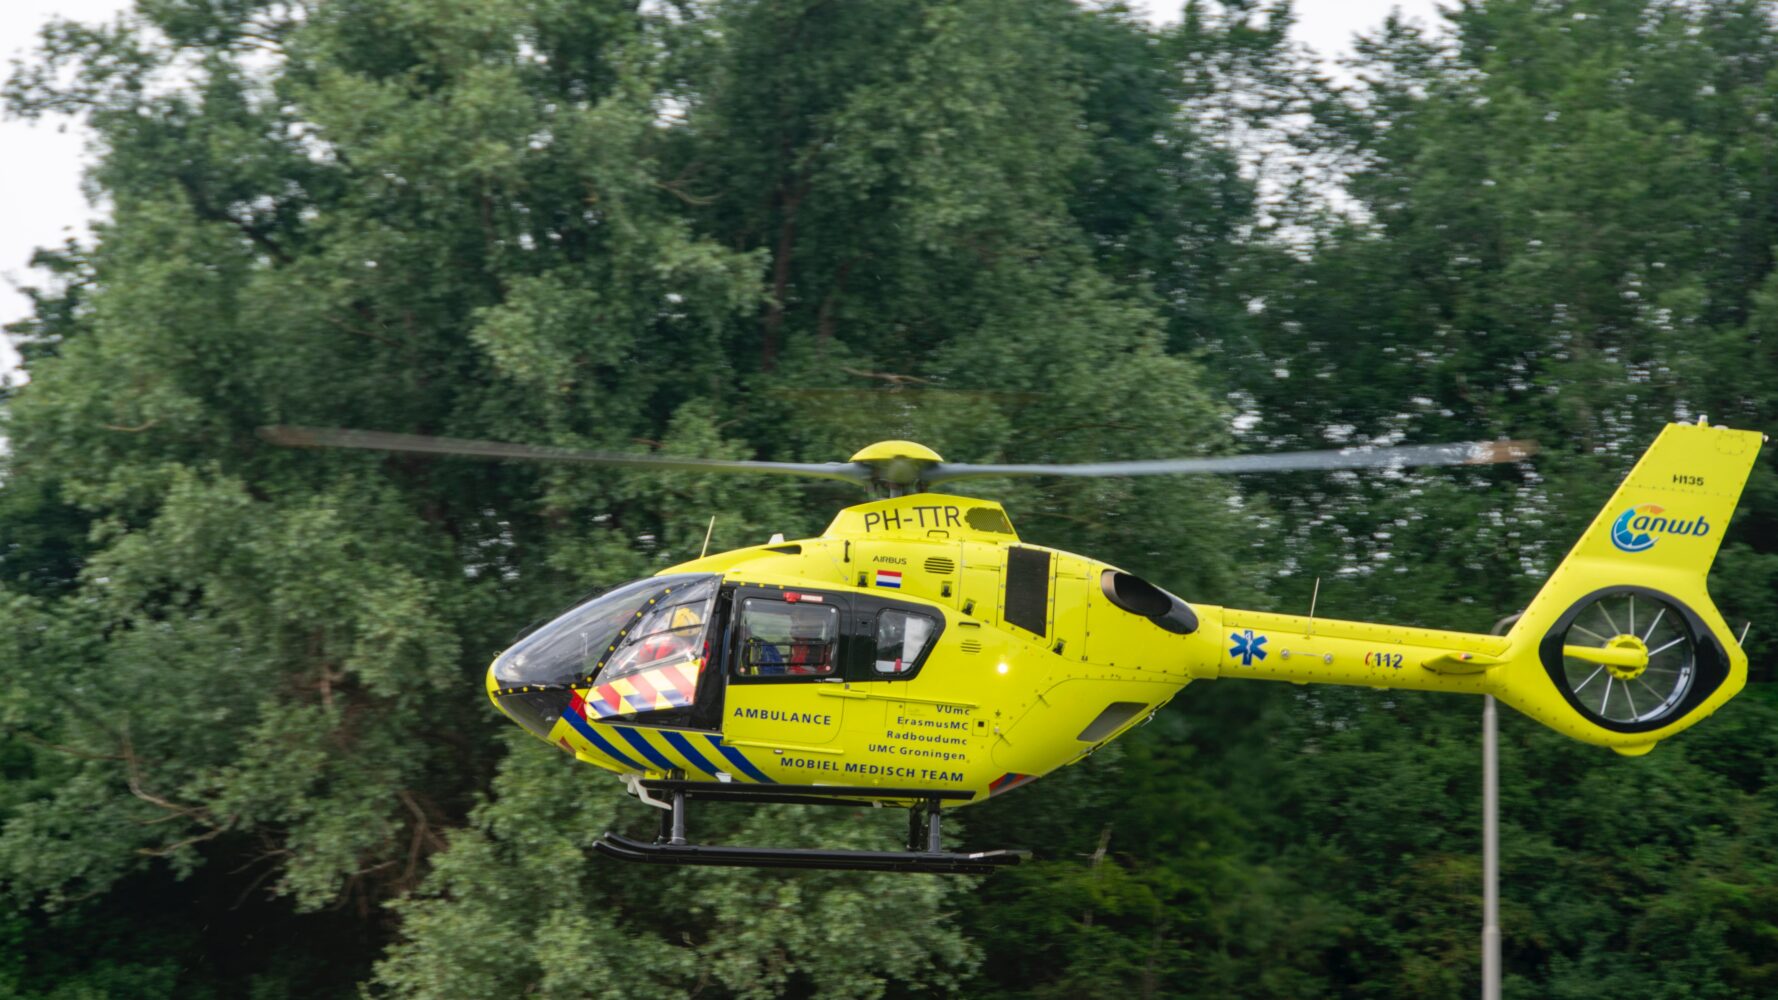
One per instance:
(40, 165)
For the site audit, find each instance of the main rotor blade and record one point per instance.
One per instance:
(335, 437)
(1467, 453)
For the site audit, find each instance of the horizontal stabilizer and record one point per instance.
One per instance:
(1460, 663)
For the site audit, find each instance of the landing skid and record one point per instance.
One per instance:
(924, 853)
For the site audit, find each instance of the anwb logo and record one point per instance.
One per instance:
(1635, 529)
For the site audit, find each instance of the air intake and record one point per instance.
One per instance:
(940, 566)
(1139, 597)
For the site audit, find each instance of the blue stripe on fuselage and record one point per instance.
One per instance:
(683, 745)
(742, 763)
(604, 746)
(645, 748)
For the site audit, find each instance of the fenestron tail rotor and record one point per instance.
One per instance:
(899, 467)
(1628, 657)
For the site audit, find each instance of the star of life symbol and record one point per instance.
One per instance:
(1248, 647)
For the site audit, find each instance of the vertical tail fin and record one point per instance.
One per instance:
(1629, 647)
(1667, 518)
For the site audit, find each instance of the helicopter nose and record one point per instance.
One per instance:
(534, 707)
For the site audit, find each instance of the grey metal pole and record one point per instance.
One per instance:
(1491, 836)
(1490, 853)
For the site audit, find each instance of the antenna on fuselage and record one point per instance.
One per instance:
(707, 532)
(1314, 596)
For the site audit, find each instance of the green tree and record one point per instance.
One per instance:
(532, 221)
(242, 698)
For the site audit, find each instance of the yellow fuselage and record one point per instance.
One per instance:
(996, 703)
(1040, 660)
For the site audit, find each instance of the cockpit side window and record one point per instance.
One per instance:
(783, 639)
(902, 637)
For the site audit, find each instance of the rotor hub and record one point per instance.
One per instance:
(1630, 643)
(898, 466)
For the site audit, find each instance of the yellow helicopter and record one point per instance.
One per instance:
(919, 654)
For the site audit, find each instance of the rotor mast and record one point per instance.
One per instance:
(897, 468)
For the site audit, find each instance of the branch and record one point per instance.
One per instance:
(197, 814)
(201, 206)
(356, 332)
(672, 187)
(890, 377)
(1098, 855)
(70, 751)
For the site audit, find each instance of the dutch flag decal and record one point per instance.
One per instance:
(889, 578)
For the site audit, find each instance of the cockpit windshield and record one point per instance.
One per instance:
(637, 627)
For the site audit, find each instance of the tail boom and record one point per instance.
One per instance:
(1263, 646)
(1581, 659)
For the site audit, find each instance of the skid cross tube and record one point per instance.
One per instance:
(925, 851)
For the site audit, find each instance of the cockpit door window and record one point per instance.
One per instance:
(651, 673)
(672, 632)
(784, 639)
